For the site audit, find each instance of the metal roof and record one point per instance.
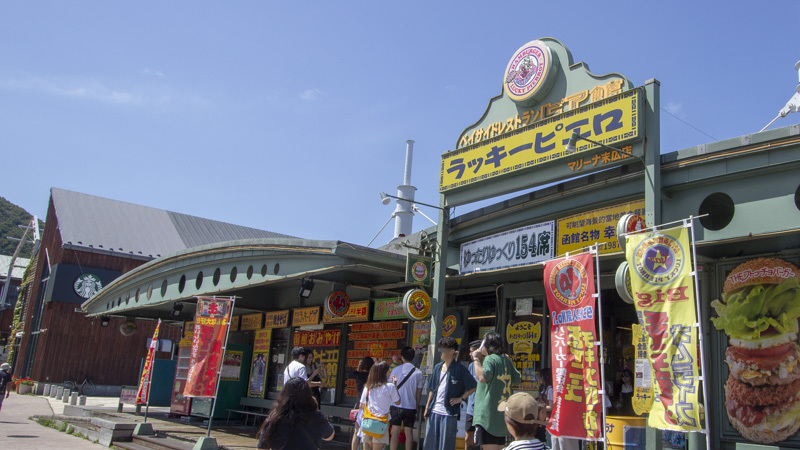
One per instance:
(19, 267)
(91, 223)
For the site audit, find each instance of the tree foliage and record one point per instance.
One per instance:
(11, 216)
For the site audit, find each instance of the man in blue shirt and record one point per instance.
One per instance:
(449, 385)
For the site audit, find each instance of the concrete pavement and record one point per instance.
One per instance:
(19, 432)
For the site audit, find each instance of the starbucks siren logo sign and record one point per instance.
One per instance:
(87, 285)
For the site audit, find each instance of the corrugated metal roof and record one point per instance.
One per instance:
(19, 267)
(102, 224)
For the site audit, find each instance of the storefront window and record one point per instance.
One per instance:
(279, 359)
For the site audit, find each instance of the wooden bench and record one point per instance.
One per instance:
(251, 407)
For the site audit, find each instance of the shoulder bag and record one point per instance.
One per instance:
(372, 425)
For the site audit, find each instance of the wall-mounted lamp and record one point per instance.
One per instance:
(176, 309)
(577, 137)
(385, 200)
(104, 321)
(306, 286)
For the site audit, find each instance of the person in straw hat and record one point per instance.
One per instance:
(524, 415)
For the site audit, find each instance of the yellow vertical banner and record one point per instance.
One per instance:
(663, 291)
(643, 385)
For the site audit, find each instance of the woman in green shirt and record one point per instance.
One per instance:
(496, 375)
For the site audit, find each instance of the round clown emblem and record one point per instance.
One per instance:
(529, 73)
(87, 285)
(449, 325)
(419, 271)
(417, 304)
(337, 304)
(658, 259)
(569, 282)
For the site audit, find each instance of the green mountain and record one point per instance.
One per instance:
(12, 215)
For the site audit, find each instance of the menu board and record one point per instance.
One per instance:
(378, 340)
(523, 336)
(325, 344)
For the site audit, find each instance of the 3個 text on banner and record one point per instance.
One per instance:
(144, 382)
(208, 340)
(663, 291)
(570, 288)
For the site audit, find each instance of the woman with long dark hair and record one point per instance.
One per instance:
(361, 374)
(378, 397)
(295, 422)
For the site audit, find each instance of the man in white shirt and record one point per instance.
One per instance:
(296, 368)
(408, 380)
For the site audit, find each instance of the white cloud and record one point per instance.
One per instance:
(87, 89)
(311, 94)
(675, 108)
(152, 73)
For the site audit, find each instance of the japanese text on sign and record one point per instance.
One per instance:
(276, 319)
(252, 321)
(613, 120)
(321, 338)
(357, 312)
(546, 110)
(597, 226)
(512, 248)
(305, 316)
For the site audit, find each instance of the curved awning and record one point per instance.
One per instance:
(264, 274)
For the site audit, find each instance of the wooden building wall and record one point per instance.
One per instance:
(71, 345)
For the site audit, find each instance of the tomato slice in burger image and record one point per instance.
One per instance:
(759, 312)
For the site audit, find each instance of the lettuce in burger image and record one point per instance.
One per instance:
(759, 312)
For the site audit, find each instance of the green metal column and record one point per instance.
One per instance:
(652, 152)
(439, 273)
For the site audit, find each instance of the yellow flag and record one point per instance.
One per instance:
(663, 291)
(643, 386)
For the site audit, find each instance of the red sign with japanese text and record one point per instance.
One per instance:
(211, 323)
(570, 288)
(143, 394)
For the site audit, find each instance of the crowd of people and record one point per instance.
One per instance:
(389, 398)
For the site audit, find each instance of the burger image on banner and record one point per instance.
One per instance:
(759, 312)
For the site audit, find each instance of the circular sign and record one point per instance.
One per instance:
(569, 282)
(529, 73)
(417, 304)
(629, 224)
(337, 304)
(449, 325)
(659, 259)
(419, 271)
(87, 285)
(622, 281)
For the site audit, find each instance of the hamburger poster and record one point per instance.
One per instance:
(758, 311)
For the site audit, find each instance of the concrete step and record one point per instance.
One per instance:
(159, 442)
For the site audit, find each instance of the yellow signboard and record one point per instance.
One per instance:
(235, 323)
(600, 225)
(610, 121)
(358, 312)
(252, 321)
(305, 316)
(276, 319)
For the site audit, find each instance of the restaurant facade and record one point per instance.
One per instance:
(741, 195)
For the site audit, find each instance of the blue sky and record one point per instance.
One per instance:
(293, 116)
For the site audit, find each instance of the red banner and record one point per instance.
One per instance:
(144, 382)
(569, 285)
(211, 323)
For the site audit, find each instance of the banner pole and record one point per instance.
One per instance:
(150, 376)
(219, 372)
(596, 250)
(699, 330)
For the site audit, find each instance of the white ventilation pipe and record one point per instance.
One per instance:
(404, 215)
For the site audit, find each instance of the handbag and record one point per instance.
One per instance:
(372, 425)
